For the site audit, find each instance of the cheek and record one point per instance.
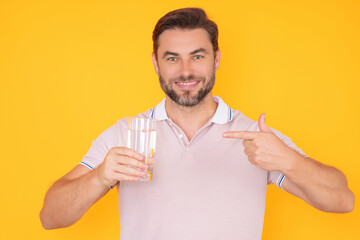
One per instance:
(207, 68)
(168, 71)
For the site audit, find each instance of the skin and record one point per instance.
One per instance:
(186, 57)
(185, 53)
(71, 196)
(324, 187)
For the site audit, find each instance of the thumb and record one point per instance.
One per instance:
(262, 124)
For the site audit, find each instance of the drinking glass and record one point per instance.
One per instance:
(142, 138)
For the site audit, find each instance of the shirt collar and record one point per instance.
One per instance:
(223, 114)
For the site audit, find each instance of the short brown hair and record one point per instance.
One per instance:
(186, 18)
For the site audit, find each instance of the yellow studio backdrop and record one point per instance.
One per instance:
(71, 69)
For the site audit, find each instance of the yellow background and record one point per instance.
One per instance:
(70, 69)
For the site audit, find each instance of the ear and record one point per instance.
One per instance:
(217, 59)
(156, 66)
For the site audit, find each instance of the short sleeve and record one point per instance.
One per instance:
(101, 146)
(276, 177)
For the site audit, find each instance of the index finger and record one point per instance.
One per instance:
(128, 152)
(241, 135)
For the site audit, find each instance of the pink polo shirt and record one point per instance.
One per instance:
(200, 189)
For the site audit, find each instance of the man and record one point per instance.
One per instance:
(212, 163)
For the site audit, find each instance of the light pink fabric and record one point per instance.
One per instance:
(202, 189)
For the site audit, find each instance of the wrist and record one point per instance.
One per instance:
(98, 181)
(292, 163)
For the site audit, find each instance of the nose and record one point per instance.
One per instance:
(186, 68)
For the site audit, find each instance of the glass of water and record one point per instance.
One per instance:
(142, 138)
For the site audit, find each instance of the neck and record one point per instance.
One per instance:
(191, 119)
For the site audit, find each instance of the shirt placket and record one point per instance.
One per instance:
(182, 136)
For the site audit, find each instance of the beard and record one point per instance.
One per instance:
(186, 99)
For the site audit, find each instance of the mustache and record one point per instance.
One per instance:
(188, 78)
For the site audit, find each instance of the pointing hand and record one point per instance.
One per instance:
(263, 148)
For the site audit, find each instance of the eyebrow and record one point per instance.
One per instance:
(202, 50)
(169, 53)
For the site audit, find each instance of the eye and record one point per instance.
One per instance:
(197, 57)
(172, 59)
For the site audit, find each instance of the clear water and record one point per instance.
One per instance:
(143, 141)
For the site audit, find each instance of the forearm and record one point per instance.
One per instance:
(68, 200)
(323, 187)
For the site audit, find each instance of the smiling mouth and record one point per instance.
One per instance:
(187, 84)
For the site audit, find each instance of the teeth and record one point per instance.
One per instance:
(187, 84)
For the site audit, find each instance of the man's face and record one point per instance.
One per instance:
(186, 65)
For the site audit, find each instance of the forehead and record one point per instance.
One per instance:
(184, 40)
